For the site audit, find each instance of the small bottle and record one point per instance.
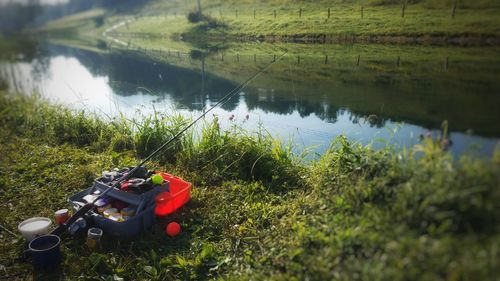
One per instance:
(94, 238)
(61, 216)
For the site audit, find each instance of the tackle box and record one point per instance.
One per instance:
(144, 204)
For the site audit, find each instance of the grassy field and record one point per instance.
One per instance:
(258, 211)
(286, 20)
(474, 22)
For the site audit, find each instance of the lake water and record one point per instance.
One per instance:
(312, 94)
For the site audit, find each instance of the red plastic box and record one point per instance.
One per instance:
(168, 202)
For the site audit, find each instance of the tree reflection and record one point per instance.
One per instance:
(367, 101)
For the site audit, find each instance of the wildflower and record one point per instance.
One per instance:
(446, 143)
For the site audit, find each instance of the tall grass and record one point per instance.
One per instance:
(212, 155)
(155, 129)
(238, 154)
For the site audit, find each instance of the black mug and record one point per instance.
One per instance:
(44, 251)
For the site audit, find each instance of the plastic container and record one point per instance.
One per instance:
(116, 217)
(61, 216)
(94, 238)
(168, 202)
(101, 205)
(34, 227)
(144, 205)
(44, 251)
(131, 227)
(108, 212)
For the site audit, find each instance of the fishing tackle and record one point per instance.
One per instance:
(89, 206)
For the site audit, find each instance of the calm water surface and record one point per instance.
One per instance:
(308, 97)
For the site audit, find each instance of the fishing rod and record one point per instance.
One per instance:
(89, 206)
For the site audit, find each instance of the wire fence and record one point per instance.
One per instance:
(305, 13)
(351, 60)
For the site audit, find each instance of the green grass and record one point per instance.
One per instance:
(428, 21)
(180, 6)
(424, 19)
(354, 213)
(33, 117)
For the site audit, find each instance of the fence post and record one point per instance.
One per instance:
(300, 12)
(359, 57)
(328, 12)
(298, 59)
(274, 58)
(274, 13)
(453, 9)
(326, 59)
(362, 8)
(399, 61)
(403, 7)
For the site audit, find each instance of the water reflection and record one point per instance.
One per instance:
(309, 104)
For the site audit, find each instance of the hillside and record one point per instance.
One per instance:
(430, 21)
(380, 21)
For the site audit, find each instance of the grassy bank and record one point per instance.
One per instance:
(257, 210)
(431, 22)
(379, 21)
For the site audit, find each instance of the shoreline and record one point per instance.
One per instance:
(485, 40)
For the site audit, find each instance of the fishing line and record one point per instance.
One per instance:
(8, 231)
(153, 93)
(222, 101)
(82, 102)
(87, 207)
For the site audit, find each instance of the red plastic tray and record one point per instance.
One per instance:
(178, 196)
